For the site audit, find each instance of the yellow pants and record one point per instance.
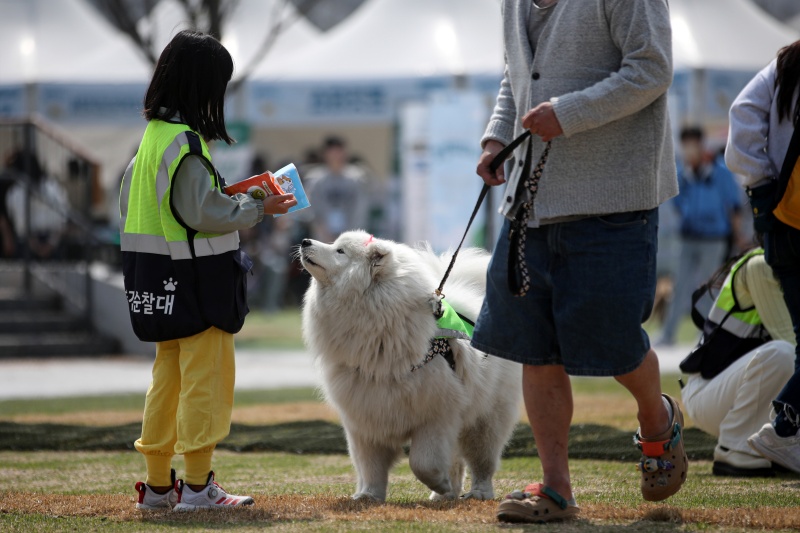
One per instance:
(188, 406)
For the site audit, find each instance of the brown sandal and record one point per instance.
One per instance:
(536, 504)
(664, 463)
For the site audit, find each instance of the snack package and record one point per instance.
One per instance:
(284, 181)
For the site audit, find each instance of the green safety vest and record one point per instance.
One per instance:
(451, 325)
(741, 322)
(147, 222)
(178, 282)
(729, 332)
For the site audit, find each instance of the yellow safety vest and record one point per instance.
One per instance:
(178, 282)
(147, 221)
(730, 331)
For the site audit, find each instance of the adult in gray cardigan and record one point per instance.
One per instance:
(589, 77)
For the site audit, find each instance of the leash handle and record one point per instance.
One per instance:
(503, 154)
(498, 160)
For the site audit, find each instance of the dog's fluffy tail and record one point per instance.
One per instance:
(469, 270)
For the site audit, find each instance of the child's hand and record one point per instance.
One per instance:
(279, 204)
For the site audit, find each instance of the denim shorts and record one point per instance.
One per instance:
(593, 283)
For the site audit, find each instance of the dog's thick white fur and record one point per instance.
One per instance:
(368, 317)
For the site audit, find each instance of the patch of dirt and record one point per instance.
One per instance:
(286, 412)
(292, 508)
(82, 418)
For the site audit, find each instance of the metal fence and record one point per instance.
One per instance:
(48, 188)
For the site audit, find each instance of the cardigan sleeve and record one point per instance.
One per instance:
(642, 33)
(206, 209)
(746, 152)
(501, 123)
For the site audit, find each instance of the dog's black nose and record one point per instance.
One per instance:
(305, 243)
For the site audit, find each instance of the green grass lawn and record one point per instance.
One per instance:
(308, 493)
(89, 490)
(278, 331)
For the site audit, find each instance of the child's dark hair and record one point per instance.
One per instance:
(190, 78)
(788, 80)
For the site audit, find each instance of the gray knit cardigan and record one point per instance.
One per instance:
(606, 66)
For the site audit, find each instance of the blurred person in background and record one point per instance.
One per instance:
(270, 245)
(8, 239)
(337, 191)
(763, 120)
(270, 248)
(709, 207)
(275, 255)
(48, 200)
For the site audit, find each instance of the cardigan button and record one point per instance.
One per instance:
(509, 199)
(535, 76)
(521, 162)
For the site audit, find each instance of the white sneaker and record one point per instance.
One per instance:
(211, 497)
(782, 450)
(149, 500)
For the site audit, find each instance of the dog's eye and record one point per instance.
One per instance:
(340, 251)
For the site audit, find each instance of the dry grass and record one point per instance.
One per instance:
(294, 508)
(307, 492)
(264, 414)
(614, 411)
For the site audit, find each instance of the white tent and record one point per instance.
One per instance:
(402, 39)
(414, 38)
(64, 40)
(725, 35)
(718, 45)
(243, 32)
(354, 78)
(391, 51)
(62, 59)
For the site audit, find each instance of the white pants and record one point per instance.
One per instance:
(736, 403)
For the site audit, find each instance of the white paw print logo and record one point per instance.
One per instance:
(169, 285)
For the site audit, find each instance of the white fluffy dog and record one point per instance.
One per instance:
(368, 316)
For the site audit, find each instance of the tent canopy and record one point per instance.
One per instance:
(419, 38)
(244, 31)
(68, 41)
(725, 35)
(64, 41)
(402, 39)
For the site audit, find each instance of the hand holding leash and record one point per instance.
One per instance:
(491, 176)
(495, 164)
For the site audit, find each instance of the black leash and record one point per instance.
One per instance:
(498, 160)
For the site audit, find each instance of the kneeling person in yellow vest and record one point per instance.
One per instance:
(743, 360)
(185, 275)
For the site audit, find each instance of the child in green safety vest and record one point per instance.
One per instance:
(185, 275)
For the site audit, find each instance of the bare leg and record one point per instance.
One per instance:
(548, 401)
(644, 384)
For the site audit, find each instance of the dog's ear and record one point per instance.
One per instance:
(379, 258)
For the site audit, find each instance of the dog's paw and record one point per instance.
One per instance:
(478, 495)
(446, 497)
(365, 497)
